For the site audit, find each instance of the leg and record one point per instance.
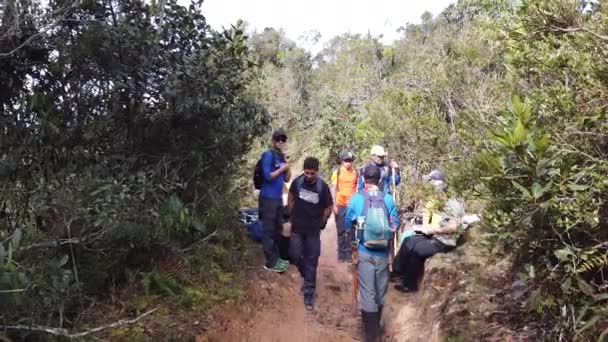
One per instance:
(343, 242)
(268, 215)
(419, 249)
(312, 251)
(296, 251)
(382, 275)
(367, 296)
(381, 279)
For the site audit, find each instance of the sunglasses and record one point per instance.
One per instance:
(281, 139)
(347, 160)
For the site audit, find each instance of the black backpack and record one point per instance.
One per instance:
(258, 177)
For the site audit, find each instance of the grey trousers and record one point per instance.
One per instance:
(373, 281)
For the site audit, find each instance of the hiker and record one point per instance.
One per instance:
(441, 224)
(310, 204)
(380, 221)
(344, 185)
(275, 172)
(386, 178)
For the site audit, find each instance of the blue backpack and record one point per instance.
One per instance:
(376, 228)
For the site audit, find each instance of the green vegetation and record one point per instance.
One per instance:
(510, 98)
(125, 128)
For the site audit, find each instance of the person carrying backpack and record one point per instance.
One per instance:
(378, 214)
(344, 185)
(271, 172)
(310, 203)
(389, 172)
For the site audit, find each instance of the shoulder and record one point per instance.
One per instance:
(296, 181)
(325, 184)
(388, 199)
(357, 196)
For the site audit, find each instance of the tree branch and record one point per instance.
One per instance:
(64, 332)
(41, 32)
(578, 29)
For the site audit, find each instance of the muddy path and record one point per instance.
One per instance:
(273, 309)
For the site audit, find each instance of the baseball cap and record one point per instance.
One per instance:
(347, 155)
(378, 150)
(371, 171)
(279, 132)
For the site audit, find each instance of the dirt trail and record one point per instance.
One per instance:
(274, 310)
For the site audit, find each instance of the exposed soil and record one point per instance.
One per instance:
(274, 309)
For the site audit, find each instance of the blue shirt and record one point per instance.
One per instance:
(385, 180)
(272, 188)
(355, 209)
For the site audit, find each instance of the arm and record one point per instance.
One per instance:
(291, 198)
(446, 228)
(267, 164)
(392, 212)
(329, 205)
(333, 186)
(287, 174)
(351, 212)
(397, 176)
(360, 182)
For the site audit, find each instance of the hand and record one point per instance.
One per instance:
(284, 167)
(394, 164)
(335, 210)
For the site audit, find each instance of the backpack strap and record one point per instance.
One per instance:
(300, 182)
(368, 197)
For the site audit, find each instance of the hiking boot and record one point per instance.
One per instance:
(279, 267)
(308, 301)
(370, 326)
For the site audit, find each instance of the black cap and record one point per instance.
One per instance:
(347, 155)
(279, 133)
(371, 171)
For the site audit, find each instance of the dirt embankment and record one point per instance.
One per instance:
(463, 297)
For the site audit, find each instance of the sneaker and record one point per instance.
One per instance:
(308, 302)
(283, 261)
(279, 267)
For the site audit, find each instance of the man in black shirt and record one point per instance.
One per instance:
(310, 205)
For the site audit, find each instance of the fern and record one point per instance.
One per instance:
(592, 261)
(162, 284)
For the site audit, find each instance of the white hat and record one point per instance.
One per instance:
(378, 150)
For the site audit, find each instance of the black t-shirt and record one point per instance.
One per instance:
(307, 213)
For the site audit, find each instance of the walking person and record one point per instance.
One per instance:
(275, 172)
(380, 220)
(310, 205)
(389, 171)
(344, 185)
